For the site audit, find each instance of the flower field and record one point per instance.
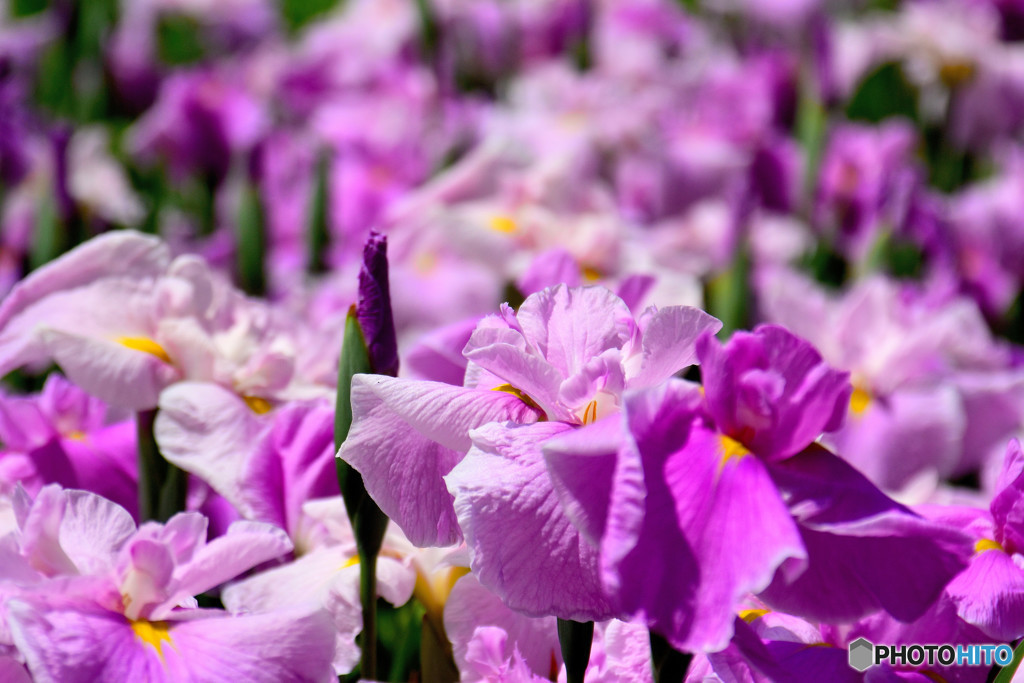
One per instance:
(512, 341)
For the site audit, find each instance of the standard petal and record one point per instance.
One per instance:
(669, 343)
(771, 390)
(570, 325)
(245, 545)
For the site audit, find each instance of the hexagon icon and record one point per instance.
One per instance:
(862, 654)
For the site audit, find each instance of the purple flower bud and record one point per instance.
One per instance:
(374, 308)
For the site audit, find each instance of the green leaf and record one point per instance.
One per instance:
(25, 8)
(298, 13)
(46, 233)
(318, 230)
(162, 486)
(368, 522)
(437, 664)
(179, 40)
(251, 241)
(884, 93)
(1005, 674)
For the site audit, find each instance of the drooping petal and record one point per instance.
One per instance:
(691, 528)
(734, 519)
(210, 432)
(293, 463)
(914, 431)
(118, 254)
(66, 640)
(990, 594)
(119, 375)
(582, 465)
(407, 435)
(522, 546)
(865, 551)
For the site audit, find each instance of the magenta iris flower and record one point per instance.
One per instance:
(697, 500)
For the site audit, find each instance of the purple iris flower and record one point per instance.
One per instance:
(566, 357)
(989, 593)
(91, 597)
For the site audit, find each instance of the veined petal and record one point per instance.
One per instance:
(121, 253)
(570, 325)
(406, 435)
(210, 432)
(111, 371)
(522, 546)
(95, 644)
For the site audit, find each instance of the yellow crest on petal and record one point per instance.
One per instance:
(502, 223)
(987, 544)
(146, 345)
(260, 406)
(860, 399)
(154, 633)
(732, 449)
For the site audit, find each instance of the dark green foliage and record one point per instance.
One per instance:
(884, 93)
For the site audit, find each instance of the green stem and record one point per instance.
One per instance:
(575, 638)
(368, 598)
(669, 664)
(251, 241)
(162, 486)
(318, 230)
(726, 296)
(368, 522)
